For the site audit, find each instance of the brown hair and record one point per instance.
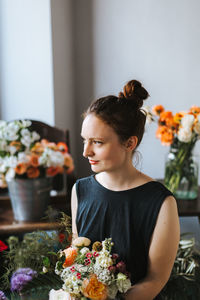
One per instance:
(123, 113)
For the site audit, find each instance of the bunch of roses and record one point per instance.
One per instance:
(182, 125)
(22, 155)
(94, 274)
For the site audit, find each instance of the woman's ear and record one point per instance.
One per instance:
(131, 143)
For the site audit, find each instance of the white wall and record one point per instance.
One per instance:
(26, 60)
(157, 42)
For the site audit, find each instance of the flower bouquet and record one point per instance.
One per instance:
(94, 274)
(180, 131)
(22, 155)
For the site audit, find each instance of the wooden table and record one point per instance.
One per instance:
(186, 208)
(8, 225)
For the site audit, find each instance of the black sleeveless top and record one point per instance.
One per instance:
(128, 217)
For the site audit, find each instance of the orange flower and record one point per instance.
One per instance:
(16, 144)
(178, 116)
(62, 147)
(68, 162)
(164, 116)
(34, 160)
(70, 256)
(37, 148)
(94, 289)
(52, 171)
(165, 134)
(33, 172)
(157, 109)
(195, 110)
(21, 168)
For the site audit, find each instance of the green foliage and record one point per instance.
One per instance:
(36, 250)
(184, 282)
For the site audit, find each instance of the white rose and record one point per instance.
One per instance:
(187, 121)
(26, 123)
(185, 135)
(59, 295)
(123, 283)
(84, 250)
(22, 157)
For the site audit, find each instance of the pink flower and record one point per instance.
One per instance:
(78, 275)
(95, 254)
(89, 255)
(115, 256)
(121, 267)
(87, 261)
(72, 269)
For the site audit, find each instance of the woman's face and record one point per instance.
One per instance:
(102, 146)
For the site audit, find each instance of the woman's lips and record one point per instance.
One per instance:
(93, 162)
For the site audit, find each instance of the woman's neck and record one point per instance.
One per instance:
(118, 181)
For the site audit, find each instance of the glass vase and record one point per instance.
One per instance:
(181, 172)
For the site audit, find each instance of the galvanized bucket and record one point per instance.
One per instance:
(29, 198)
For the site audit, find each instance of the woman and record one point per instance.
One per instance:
(119, 201)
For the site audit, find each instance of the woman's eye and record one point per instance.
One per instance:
(98, 142)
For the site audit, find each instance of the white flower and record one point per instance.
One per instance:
(10, 174)
(84, 250)
(104, 275)
(10, 133)
(22, 157)
(51, 158)
(44, 270)
(187, 121)
(35, 136)
(185, 135)
(123, 283)
(104, 259)
(59, 295)
(81, 242)
(26, 123)
(3, 145)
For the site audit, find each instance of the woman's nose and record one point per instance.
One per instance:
(87, 150)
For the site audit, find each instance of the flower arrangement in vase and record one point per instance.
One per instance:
(180, 131)
(27, 165)
(22, 155)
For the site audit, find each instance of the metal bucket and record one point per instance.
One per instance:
(29, 198)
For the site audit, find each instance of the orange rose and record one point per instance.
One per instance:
(157, 109)
(165, 134)
(62, 147)
(68, 162)
(21, 168)
(70, 256)
(37, 148)
(94, 289)
(33, 172)
(34, 160)
(52, 171)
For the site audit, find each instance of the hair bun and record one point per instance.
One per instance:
(134, 90)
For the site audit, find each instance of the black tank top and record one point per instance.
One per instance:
(128, 217)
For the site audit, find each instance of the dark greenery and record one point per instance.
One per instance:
(34, 248)
(184, 282)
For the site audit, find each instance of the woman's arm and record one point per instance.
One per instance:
(162, 253)
(74, 206)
